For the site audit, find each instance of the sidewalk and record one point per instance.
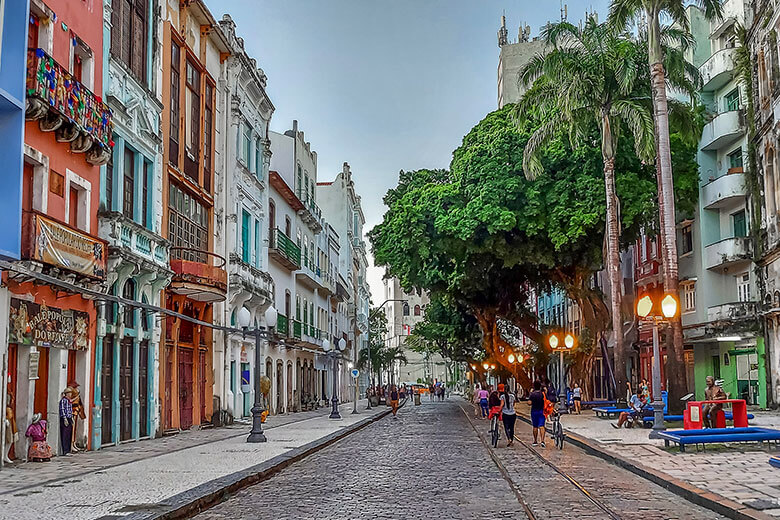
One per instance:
(738, 473)
(136, 477)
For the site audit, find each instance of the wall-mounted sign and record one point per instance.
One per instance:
(244, 357)
(41, 325)
(35, 358)
(59, 245)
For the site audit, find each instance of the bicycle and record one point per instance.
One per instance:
(494, 430)
(556, 430)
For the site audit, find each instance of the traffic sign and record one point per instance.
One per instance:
(355, 373)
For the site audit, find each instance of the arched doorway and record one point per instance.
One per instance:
(279, 386)
(289, 384)
(269, 372)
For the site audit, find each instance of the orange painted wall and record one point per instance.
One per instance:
(83, 18)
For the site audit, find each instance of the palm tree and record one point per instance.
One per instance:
(391, 355)
(622, 12)
(589, 77)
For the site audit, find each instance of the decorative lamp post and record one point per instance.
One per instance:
(657, 312)
(340, 346)
(244, 318)
(569, 342)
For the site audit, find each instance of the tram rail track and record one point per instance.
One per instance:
(599, 504)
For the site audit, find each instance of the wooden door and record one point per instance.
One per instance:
(107, 389)
(168, 404)
(73, 207)
(143, 388)
(185, 388)
(42, 383)
(71, 366)
(126, 388)
(202, 384)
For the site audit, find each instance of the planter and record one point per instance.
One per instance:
(374, 400)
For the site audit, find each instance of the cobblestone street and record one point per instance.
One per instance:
(429, 462)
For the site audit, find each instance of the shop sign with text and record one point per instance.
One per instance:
(57, 244)
(41, 325)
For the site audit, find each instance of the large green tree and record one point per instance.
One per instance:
(484, 235)
(589, 77)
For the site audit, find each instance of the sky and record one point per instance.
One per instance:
(385, 85)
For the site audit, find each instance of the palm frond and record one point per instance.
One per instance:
(639, 121)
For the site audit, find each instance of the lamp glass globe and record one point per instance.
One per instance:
(569, 341)
(326, 345)
(271, 316)
(553, 341)
(669, 306)
(342, 344)
(243, 317)
(511, 358)
(485, 366)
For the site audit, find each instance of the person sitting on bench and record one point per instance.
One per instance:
(635, 405)
(710, 411)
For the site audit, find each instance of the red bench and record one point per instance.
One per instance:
(693, 418)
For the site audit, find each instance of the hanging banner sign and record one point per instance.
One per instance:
(59, 245)
(40, 325)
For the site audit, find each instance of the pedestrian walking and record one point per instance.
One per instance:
(537, 399)
(508, 415)
(577, 396)
(394, 399)
(482, 398)
(66, 420)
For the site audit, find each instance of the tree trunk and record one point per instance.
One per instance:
(613, 250)
(675, 358)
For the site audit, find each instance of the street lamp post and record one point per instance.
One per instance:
(657, 313)
(568, 345)
(339, 347)
(244, 319)
(368, 342)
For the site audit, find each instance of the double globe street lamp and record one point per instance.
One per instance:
(657, 311)
(567, 345)
(244, 318)
(334, 355)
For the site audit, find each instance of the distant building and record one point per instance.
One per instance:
(402, 318)
(513, 57)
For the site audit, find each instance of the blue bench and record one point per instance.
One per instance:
(671, 418)
(719, 435)
(597, 403)
(775, 461)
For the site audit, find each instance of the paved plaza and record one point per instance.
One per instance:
(737, 472)
(430, 462)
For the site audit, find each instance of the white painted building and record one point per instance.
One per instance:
(402, 318)
(341, 206)
(241, 203)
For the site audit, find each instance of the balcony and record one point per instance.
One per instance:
(723, 190)
(717, 70)
(359, 244)
(727, 252)
(249, 279)
(723, 130)
(61, 246)
(65, 106)
(311, 214)
(731, 311)
(284, 251)
(198, 275)
(127, 237)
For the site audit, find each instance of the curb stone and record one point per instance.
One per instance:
(689, 492)
(208, 494)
